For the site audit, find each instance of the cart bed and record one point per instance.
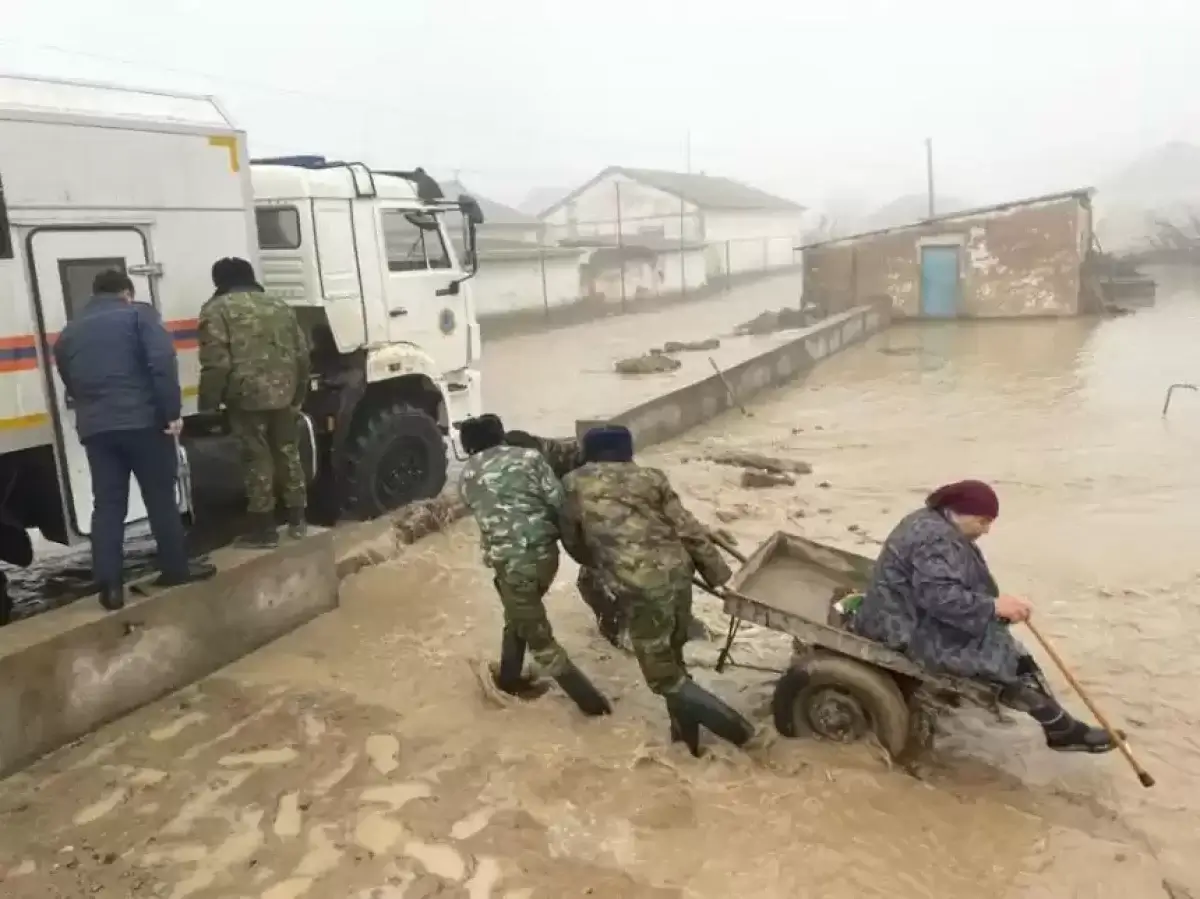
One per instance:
(800, 577)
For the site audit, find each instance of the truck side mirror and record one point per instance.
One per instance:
(472, 217)
(470, 209)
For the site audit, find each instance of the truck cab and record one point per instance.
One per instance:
(365, 259)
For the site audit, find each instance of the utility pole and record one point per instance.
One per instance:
(683, 219)
(620, 242)
(929, 173)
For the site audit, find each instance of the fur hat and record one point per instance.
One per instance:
(479, 434)
(521, 438)
(612, 443)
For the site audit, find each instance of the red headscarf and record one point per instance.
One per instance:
(966, 498)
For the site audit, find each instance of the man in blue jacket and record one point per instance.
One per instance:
(118, 364)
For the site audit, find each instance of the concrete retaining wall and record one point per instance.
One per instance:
(98, 666)
(669, 415)
(66, 672)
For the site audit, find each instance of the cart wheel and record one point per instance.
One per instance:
(843, 700)
(922, 729)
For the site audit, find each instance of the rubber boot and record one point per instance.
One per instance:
(297, 527)
(196, 571)
(510, 675)
(261, 533)
(112, 597)
(582, 692)
(687, 732)
(691, 705)
(1069, 735)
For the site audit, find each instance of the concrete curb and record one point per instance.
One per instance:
(79, 667)
(374, 542)
(671, 414)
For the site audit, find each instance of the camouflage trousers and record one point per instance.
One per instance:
(270, 445)
(659, 621)
(522, 586)
(612, 616)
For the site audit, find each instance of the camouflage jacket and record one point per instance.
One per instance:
(253, 353)
(628, 523)
(515, 499)
(932, 597)
(563, 455)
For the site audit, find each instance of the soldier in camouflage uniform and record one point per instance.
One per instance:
(627, 523)
(515, 498)
(933, 598)
(564, 457)
(254, 360)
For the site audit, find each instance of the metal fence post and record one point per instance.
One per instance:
(545, 291)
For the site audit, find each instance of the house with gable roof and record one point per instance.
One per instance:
(741, 228)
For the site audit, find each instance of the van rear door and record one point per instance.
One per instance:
(63, 261)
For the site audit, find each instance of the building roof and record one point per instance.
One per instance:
(539, 198)
(704, 191)
(1081, 193)
(911, 208)
(493, 213)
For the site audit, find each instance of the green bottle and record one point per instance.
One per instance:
(848, 605)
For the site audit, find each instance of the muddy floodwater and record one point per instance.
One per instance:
(361, 756)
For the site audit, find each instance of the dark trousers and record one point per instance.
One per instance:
(148, 455)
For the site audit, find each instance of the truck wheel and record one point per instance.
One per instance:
(399, 457)
(842, 700)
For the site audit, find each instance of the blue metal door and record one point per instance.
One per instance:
(939, 282)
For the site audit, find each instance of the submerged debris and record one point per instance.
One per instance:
(771, 464)
(777, 320)
(650, 363)
(690, 346)
(754, 479)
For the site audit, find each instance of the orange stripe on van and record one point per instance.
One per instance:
(19, 352)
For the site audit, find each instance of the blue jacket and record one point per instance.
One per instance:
(117, 361)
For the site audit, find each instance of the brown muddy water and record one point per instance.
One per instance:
(361, 757)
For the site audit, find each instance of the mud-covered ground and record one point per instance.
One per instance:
(360, 756)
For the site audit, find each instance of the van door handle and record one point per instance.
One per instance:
(396, 313)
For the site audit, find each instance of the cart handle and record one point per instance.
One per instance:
(720, 541)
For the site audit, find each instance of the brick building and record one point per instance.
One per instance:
(1023, 258)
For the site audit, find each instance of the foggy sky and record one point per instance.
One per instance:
(810, 100)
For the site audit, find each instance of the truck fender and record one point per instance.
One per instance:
(397, 360)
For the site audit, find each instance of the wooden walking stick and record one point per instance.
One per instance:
(1142, 773)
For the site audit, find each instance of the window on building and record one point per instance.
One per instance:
(278, 227)
(413, 241)
(76, 277)
(6, 241)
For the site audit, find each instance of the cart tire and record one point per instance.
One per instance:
(922, 731)
(842, 700)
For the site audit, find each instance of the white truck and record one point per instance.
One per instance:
(94, 177)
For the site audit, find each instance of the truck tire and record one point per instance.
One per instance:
(397, 458)
(843, 700)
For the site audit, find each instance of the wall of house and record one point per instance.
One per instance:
(1024, 260)
(665, 274)
(752, 241)
(504, 286)
(644, 209)
(525, 233)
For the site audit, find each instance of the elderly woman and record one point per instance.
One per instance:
(933, 598)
